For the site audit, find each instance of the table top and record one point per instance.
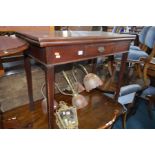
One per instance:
(47, 38)
(11, 45)
(99, 111)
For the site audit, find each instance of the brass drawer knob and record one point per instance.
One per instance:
(101, 49)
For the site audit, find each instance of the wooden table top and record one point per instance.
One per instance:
(99, 111)
(47, 38)
(11, 45)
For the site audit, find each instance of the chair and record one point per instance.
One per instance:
(141, 39)
(149, 66)
(134, 49)
(118, 29)
(149, 62)
(149, 95)
(127, 97)
(138, 57)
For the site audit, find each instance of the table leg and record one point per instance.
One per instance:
(111, 65)
(122, 71)
(1, 68)
(1, 118)
(94, 65)
(49, 78)
(27, 65)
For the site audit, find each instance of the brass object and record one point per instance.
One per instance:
(66, 117)
(91, 80)
(101, 49)
(79, 101)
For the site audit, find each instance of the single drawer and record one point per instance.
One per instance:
(99, 49)
(61, 54)
(106, 48)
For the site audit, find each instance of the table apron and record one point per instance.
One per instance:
(72, 53)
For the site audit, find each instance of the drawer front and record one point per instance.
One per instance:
(63, 54)
(99, 49)
(106, 49)
(120, 47)
(58, 55)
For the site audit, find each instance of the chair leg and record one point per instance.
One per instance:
(149, 108)
(151, 102)
(138, 70)
(145, 77)
(124, 115)
(144, 47)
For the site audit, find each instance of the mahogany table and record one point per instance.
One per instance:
(9, 46)
(62, 47)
